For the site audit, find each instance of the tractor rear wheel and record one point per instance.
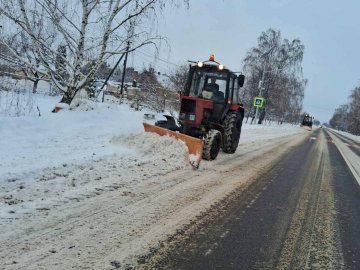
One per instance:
(232, 131)
(211, 144)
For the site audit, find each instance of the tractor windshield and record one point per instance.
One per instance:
(208, 84)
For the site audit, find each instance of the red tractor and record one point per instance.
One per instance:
(210, 110)
(307, 121)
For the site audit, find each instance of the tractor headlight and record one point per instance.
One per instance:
(192, 117)
(221, 67)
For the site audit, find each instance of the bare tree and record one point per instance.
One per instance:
(19, 44)
(354, 112)
(175, 82)
(340, 118)
(176, 78)
(275, 65)
(347, 117)
(152, 93)
(92, 31)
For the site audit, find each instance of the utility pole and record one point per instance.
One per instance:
(109, 76)
(261, 83)
(130, 37)
(124, 69)
(260, 87)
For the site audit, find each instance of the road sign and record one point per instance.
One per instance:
(258, 102)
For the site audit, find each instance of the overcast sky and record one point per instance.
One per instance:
(329, 29)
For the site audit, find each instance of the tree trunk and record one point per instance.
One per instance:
(68, 95)
(35, 85)
(262, 116)
(66, 98)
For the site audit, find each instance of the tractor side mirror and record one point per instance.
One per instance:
(241, 80)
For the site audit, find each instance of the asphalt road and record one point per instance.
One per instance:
(302, 214)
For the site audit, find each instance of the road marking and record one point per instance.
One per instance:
(313, 138)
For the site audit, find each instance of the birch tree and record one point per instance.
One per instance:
(347, 117)
(21, 54)
(92, 31)
(340, 118)
(275, 65)
(176, 78)
(354, 112)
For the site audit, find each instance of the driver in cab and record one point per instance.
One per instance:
(213, 88)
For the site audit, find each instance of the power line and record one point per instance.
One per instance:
(158, 65)
(157, 58)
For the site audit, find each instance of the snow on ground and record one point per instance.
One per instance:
(51, 161)
(348, 135)
(66, 153)
(75, 148)
(74, 137)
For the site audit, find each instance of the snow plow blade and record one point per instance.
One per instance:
(306, 127)
(194, 145)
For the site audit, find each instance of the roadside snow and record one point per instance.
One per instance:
(66, 137)
(348, 135)
(63, 156)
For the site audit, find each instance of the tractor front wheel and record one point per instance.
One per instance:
(211, 144)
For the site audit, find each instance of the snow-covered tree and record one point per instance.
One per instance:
(354, 111)
(20, 52)
(92, 31)
(347, 117)
(176, 78)
(340, 118)
(275, 65)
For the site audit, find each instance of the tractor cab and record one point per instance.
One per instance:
(209, 84)
(212, 81)
(210, 92)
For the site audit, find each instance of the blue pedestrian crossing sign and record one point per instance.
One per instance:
(258, 102)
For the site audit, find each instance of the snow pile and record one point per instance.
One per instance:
(155, 147)
(82, 105)
(147, 155)
(74, 155)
